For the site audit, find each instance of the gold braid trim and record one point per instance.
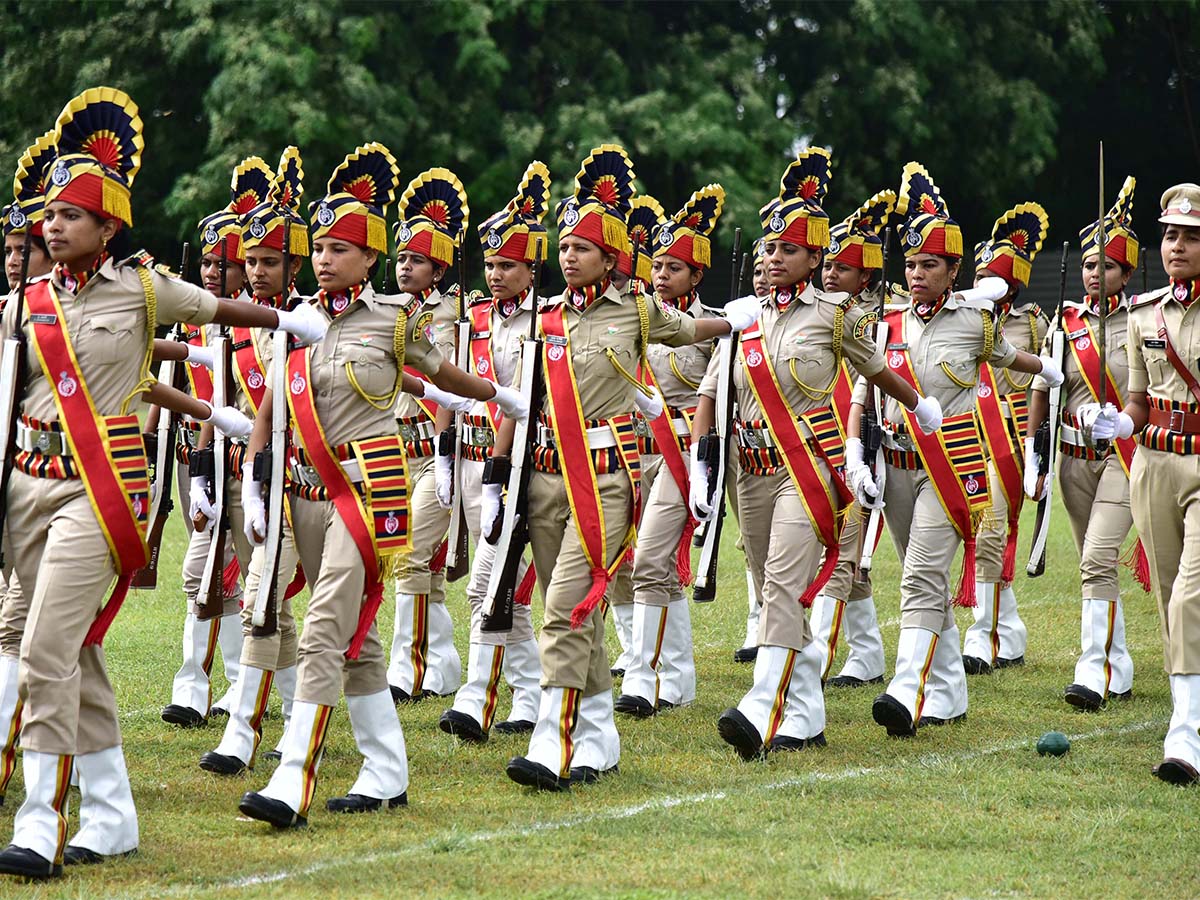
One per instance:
(815, 393)
(146, 379)
(385, 401)
(694, 385)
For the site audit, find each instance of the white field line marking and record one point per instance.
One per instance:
(626, 812)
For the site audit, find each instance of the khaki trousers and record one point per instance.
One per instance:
(1164, 490)
(235, 545)
(620, 589)
(275, 651)
(665, 512)
(844, 585)
(1096, 495)
(336, 576)
(572, 658)
(14, 609)
(926, 541)
(992, 534)
(428, 523)
(63, 562)
(783, 552)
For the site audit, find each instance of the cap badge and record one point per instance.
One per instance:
(986, 255)
(913, 238)
(666, 237)
(61, 174)
(777, 223)
(493, 239)
(834, 247)
(325, 216)
(1185, 206)
(404, 235)
(571, 217)
(210, 235)
(258, 230)
(16, 218)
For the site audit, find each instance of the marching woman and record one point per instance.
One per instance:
(266, 658)
(1095, 486)
(935, 488)
(349, 487)
(583, 494)
(433, 220)
(846, 606)
(78, 498)
(997, 637)
(790, 497)
(514, 241)
(222, 268)
(21, 220)
(662, 673)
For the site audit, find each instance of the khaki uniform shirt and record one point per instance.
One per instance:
(1075, 391)
(1149, 369)
(507, 338)
(435, 319)
(611, 322)
(1024, 327)
(945, 355)
(680, 370)
(107, 325)
(362, 340)
(799, 342)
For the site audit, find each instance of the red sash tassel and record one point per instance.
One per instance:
(297, 584)
(108, 613)
(229, 579)
(524, 595)
(438, 563)
(595, 594)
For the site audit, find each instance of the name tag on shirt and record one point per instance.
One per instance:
(43, 318)
(903, 346)
(1154, 344)
(558, 340)
(1072, 335)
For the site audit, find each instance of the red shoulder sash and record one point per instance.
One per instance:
(248, 365)
(1087, 360)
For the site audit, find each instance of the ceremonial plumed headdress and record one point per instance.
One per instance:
(1121, 242)
(98, 144)
(687, 234)
(357, 198)
(29, 203)
(645, 216)
(598, 209)
(250, 185)
(928, 227)
(517, 232)
(1016, 238)
(855, 240)
(263, 226)
(796, 216)
(433, 216)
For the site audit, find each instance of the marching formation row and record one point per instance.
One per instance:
(581, 445)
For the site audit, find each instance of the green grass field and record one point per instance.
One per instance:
(965, 811)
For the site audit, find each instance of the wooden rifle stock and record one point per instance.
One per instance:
(13, 373)
(458, 560)
(871, 428)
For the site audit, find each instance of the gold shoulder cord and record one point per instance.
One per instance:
(814, 393)
(644, 337)
(146, 379)
(1037, 348)
(989, 344)
(385, 401)
(694, 385)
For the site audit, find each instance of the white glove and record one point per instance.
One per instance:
(742, 312)
(452, 402)
(199, 502)
(304, 323)
(200, 356)
(443, 473)
(649, 407)
(229, 421)
(698, 501)
(928, 412)
(255, 511)
(989, 290)
(512, 403)
(1051, 373)
(1111, 424)
(1032, 460)
(866, 491)
(490, 510)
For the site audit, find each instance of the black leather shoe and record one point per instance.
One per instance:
(462, 726)
(976, 666)
(892, 715)
(665, 705)
(588, 775)
(183, 716)
(1083, 698)
(82, 856)
(617, 673)
(530, 774)
(274, 755)
(745, 654)
(1124, 695)
(1009, 663)
(399, 695)
(25, 863)
(736, 730)
(851, 682)
(220, 764)
(632, 705)
(220, 712)
(358, 803)
(787, 742)
(273, 812)
(1175, 771)
(938, 721)
(514, 726)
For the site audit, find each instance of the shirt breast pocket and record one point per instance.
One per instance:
(112, 338)
(372, 370)
(1158, 367)
(809, 369)
(963, 373)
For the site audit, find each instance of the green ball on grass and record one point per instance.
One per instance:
(1053, 743)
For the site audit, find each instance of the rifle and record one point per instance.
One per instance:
(13, 372)
(387, 267)
(715, 448)
(270, 466)
(170, 374)
(1101, 446)
(515, 472)
(1045, 440)
(1145, 276)
(872, 424)
(458, 561)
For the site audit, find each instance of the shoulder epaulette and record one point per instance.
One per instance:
(1151, 297)
(144, 259)
(838, 298)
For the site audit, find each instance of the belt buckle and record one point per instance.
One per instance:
(752, 438)
(641, 427)
(480, 435)
(408, 433)
(1176, 421)
(545, 437)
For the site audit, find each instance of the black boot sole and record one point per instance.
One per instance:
(787, 744)
(183, 716)
(273, 812)
(1082, 698)
(630, 705)
(737, 731)
(82, 856)
(359, 803)
(462, 726)
(520, 726)
(534, 775)
(1175, 771)
(892, 715)
(745, 654)
(220, 764)
(25, 863)
(849, 681)
(976, 666)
